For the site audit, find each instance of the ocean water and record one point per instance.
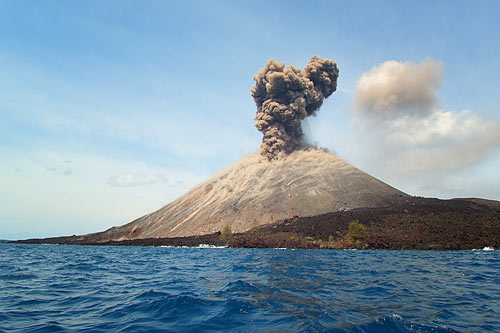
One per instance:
(59, 288)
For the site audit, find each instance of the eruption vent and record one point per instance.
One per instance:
(286, 95)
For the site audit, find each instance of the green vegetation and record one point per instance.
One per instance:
(226, 234)
(330, 239)
(356, 232)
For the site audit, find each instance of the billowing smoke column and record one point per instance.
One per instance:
(286, 95)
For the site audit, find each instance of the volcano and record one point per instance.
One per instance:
(256, 191)
(290, 194)
(286, 178)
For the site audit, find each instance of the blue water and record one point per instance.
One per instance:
(57, 288)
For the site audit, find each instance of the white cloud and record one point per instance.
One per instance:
(441, 142)
(405, 136)
(439, 127)
(135, 179)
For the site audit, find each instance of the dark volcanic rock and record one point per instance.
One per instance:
(415, 223)
(411, 223)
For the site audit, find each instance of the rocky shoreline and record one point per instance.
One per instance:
(415, 224)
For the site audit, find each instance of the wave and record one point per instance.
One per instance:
(18, 276)
(112, 289)
(486, 248)
(396, 323)
(199, 246)
(210, 246)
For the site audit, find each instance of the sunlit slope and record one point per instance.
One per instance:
(254, 191)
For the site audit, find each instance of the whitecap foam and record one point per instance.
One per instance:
(210, 246)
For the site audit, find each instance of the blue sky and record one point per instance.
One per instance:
(111, 109)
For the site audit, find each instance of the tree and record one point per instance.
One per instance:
(356, 232)
(226, 234)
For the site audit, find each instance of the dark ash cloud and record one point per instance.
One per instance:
(285, 96)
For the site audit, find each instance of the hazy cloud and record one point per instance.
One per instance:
(135, 179)
(396, 114)
(443, 140)
(398, 88)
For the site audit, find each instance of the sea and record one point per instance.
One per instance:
(68, 288)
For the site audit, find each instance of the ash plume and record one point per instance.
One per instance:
(396, 89)
(407, 134)
(286, 95)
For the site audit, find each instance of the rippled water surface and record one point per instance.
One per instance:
(100, 289)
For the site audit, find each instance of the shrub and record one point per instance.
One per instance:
(226, 234)
(356, 232)
(330, 238)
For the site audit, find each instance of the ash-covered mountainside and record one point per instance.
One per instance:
(256, 191)
(286, 178)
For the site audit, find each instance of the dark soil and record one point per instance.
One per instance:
(414, 223)
(418, 223)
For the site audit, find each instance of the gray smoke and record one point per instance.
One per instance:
(396, 89)
(286, 95)
(406, 134)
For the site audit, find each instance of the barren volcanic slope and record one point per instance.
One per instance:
(288, 179)
(256, 191)
(283, 180)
